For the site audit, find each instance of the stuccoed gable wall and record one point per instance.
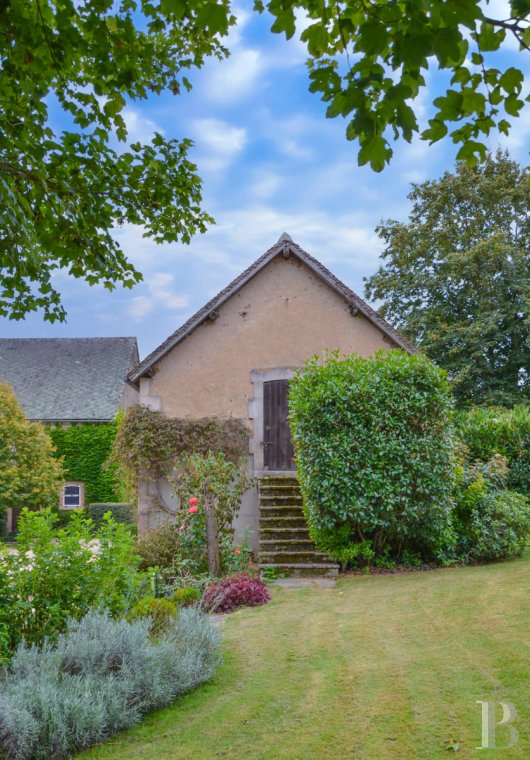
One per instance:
(280, 318)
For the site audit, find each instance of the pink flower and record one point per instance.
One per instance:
(237, 551)
(182, 527)
(194, 501)
(192, 510)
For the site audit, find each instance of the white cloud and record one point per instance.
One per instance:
(139, 127)
(139, 307)
(218, 142)
(160, 295)
(219, 136)
(233, 79)
(265, 184)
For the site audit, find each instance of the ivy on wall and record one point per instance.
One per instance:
(85, 450)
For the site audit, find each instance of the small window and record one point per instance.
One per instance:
(72, 496)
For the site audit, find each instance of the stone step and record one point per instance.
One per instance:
(273, 480)
(305, 569)
(286, 545)
(292, 555)
(294, 500)
(282, 533)
(275, 489)
(282, 523)
(279, 511)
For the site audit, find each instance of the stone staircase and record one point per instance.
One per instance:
(284, 542)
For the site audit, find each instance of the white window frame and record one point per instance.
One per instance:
(81, 487)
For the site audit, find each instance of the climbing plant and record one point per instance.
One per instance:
(203, 460)
(85, 450)
(149, 442)
(212, 486)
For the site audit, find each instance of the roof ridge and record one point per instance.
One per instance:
(283, 246)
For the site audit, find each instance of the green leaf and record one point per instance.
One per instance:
(437, 130)
(375, 151)
(317, 38)
(513, 105)
(488, 38)
(512, 80)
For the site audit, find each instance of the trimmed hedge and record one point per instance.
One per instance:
(373, 447)
(121, 512)
(497, 430)
(85, 450)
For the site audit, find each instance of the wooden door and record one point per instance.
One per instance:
(278, 446)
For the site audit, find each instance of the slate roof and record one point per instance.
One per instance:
(68, 379)
(284, 247)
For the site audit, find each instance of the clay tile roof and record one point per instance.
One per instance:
(68, 379)
(286, 247)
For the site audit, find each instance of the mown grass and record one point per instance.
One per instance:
(379, 667)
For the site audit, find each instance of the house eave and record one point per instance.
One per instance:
(284, 248)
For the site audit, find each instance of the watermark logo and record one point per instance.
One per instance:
(490, 725)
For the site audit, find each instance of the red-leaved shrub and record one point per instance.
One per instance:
(235, 591)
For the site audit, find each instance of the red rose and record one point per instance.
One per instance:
(193, 509)
(193, 501)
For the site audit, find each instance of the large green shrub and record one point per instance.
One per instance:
(373, 448)
(30, 476)
(59, 573)
(98, 678)
(85, 451)
(160, 547)
(490, 521)
(496, 430)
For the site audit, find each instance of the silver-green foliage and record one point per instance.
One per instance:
(98, 678)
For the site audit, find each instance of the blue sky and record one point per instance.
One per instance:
(270, 162)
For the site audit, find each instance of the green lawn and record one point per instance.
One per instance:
(379, 667)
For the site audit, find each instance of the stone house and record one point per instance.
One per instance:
(234, 359)
(69, 381)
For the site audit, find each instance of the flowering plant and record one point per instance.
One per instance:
(208, 481)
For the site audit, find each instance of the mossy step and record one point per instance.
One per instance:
(284, 534)
(280, 493)
(286, 545)
(304, 569)
(293, 555)
(282, 499)
(271, 479)
(282, 523)
(279, 511)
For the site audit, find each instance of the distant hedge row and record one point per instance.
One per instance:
(487, 431)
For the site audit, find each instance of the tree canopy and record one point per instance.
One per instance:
(455, 278)
(369, 60)
(30, 476)
(62, 194)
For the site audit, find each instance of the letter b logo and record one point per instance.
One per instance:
(489, 724)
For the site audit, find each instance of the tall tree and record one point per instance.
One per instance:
(369, 58)
(61, 195)
(30, 476)
(456, 278)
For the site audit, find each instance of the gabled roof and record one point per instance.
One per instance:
(68, 379)
(284, 247)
